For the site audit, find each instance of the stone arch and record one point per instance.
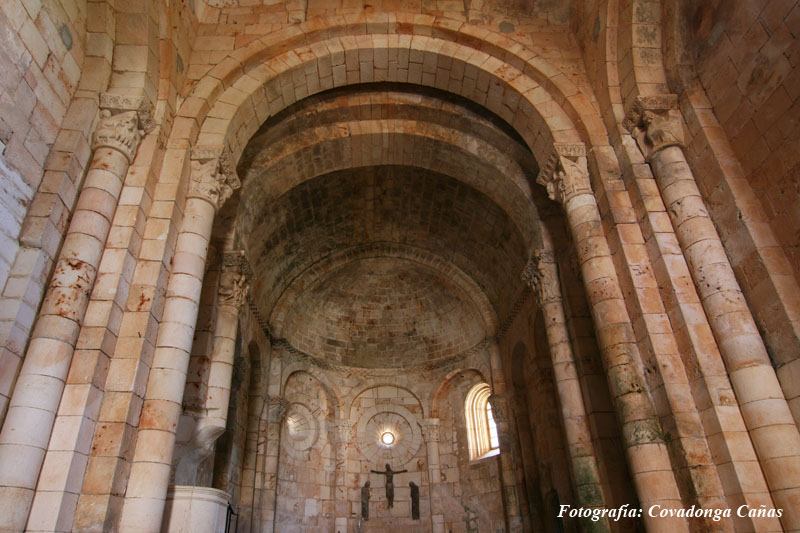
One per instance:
(258, 365)
(641, 70)
(401, 382)
(327, 385)
(329, 149)
(305, 408)
(444, 386)
(525, 88)
(497, 79)
(629, 49)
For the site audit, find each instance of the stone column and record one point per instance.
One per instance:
(344, 435)
(430, 432)
(258, 467)
(566, 177)
(212, 181)
(508, 462)
(38, 390)
(529, 464)
(276, 410)
(251, 474)
(210, 425)
(232, 292)
(658, 128)
(541, 274)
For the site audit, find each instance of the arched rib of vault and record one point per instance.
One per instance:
(471, 129)
(533, 96)
(390, 101)
(322, 268)
(641, 69)
(325, 149)
(480, 374)
(496, 85)
(521, 73)
(328, 385)
(417, 388)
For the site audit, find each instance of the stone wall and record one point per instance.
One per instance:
(306, 469)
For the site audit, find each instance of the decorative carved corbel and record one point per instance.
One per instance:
(566, 172)
(213, 177)
(655, 123)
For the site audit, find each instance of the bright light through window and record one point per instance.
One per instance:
(493, 440)
(387, 438)
(481, 427)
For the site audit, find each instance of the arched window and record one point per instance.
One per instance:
(481, 428)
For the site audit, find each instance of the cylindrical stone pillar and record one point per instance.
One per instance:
(566, 177)
(430, 431)
(765, 410)
(250, 473)
(344, 435)
(276, 410)
(33, 405)
(232, 292)
(508, 461)
(155, 443)
(542, 275)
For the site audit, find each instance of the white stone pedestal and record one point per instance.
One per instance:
(195, 510)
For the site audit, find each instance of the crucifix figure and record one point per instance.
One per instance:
(389, 473)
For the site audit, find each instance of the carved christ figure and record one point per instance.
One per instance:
(389, 473)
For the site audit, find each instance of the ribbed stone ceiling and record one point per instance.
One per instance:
(466, 209)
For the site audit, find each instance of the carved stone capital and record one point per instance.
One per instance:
(213, 177)
(655, 122)
(344, 430)
(276, 409)
(119, 103)
(541, 275)
(233, 285)
(430, 429)
(657, 103)
(566, 173)
(120, 132)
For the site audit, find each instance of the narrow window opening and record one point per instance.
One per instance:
(481, 427)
